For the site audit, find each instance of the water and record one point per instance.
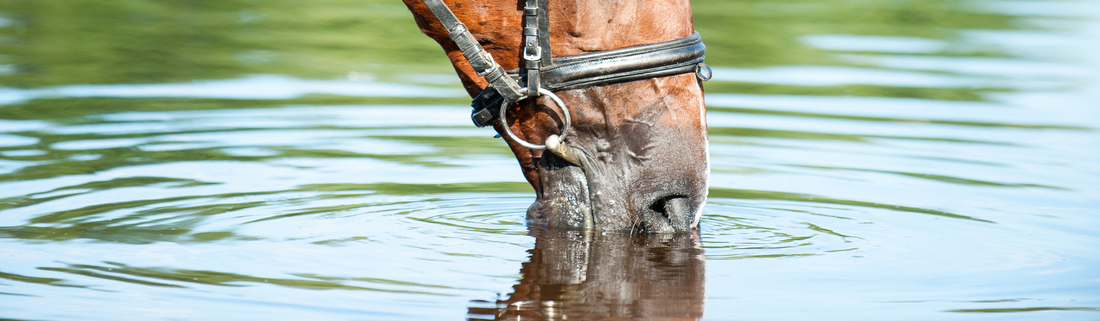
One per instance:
(314, 160)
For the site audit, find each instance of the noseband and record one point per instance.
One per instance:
(542, 74)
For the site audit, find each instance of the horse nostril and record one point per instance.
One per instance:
(659, 206)
(673, 214)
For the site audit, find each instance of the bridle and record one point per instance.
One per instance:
(542, 74)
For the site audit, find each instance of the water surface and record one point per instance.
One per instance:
(280, 160)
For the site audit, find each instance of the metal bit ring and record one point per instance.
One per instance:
(521, 142)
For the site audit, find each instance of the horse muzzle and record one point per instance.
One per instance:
(641, 174)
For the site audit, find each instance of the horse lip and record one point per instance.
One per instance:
(564, 198)
(581, 159)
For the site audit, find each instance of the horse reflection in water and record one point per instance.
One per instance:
(573, 275)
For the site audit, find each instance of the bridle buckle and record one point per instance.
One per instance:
(529, 57)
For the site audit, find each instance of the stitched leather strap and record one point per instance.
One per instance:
(479, 59)
(674, 57)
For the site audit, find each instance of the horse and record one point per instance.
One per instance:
(630, 151)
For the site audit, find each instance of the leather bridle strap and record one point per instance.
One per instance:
(674, 57)
(479, 59)
(632, 63)
(668, 58)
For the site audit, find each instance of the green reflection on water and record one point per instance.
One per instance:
(54, 43)
(37, 280)
(146, 41)
(137, 275)
(774, 195)
(886, 119)
(33, 199)
(940, 178)
(417, 189)
(71, 110)
(54, 162)
(766, 33)
(165, 220)
(963, 94)
(105, 159)
(805, 135)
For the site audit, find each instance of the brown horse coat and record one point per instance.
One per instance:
(644, 142)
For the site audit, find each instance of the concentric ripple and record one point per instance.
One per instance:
(870, 160)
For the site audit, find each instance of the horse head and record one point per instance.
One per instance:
(636, 155)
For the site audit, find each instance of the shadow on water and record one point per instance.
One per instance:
(574, 275)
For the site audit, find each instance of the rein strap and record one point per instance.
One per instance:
(478, 58)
